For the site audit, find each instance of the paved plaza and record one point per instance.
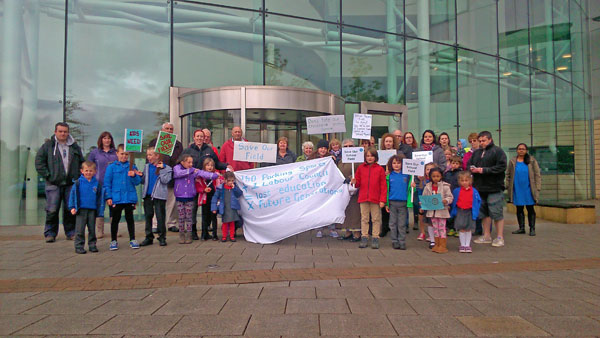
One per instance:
(548, 285)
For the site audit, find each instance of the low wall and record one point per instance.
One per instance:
(563, 212)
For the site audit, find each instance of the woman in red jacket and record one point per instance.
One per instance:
(372, 195)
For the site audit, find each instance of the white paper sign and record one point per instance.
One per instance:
(361, 126)
(254, 152)
(413, 167)
(426, 156)
(285, 200)
(384, 156)
(325, 124)
(353, 155)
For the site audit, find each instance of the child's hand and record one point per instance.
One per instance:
(73, 211)
(131, 173)
(381, 204)
(214, 212)
(139, 173)
(413, 184)
(445, 202)
(207, 190)
(353, 181)
(109, 201)
(160, 165)
(387, 209)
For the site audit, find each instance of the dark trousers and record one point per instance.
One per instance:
(158, 207)
(55, 196)
(398, 221)
(85, 217)
(530, 211)
(208, 218)
(114, 224)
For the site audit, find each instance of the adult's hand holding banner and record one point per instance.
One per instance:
(325, 124)
(254, 152)
(165, 143)
(285, 200)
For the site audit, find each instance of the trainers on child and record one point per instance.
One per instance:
(375, 243)
(396, 245)
(364, 241)
(402, 246)
(461, 249)
(498, 242)
(421, 237)
(483, 240)
(93, 249)
(134, 244)
(319, 234)
(468, 249)
(451, 232)
(80, 250)
(334, 234)
(113, 246)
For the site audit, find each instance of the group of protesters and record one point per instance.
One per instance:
(471, 174)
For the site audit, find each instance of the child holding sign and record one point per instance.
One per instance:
(184, 175)
(396, 204)
(372, 195)
(465, 210)
(438, 217)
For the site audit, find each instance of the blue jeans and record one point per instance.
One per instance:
(55, 196)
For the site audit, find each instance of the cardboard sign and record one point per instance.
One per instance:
(413, 167)
(431, 202)
(384, 156)
(361, 126)
(254, 152)
(353, 155)
(165, 143)
(325, 124)
(426, 156)
(133, 140)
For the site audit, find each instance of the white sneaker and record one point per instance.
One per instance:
(334, 234)
(483, 240)
(498, 242)
(319, 234)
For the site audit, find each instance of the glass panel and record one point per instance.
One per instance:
(251, 4)
(431, 87)
(513, 34)
(576, 45)
(565, 140)
(228, 40)
(385, 16)
(562, 39)
(439, 15)
(126, 88)
(541, 32)
(326, 10)
(478, 94)
(302, 53)
(582, 188)
(219, 122)
(476, 20)
(31, 70)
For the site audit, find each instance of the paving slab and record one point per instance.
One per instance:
(344, 292)
(243, 306)
(317, 306)
(191, 306)
(510, 326)
(66, 306)
(123, 307)
(444, 326)
(138, 325)
(64, 325)
(567, 326)
(297, 325)
(349, 324)
(380, 306)
(385, 292)
(232, 292)
(288, 292)
(218, 325)
(506, 307)
(463, 293)
(572, 307)
(138, 294)
(18, 305)
(443, 307)
(12, 323)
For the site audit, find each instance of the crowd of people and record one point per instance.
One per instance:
(470, 176)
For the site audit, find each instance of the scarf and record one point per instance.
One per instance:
(427, 147)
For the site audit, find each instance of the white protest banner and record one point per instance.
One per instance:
(413, 167)
(285, 200)
(361, 126)
(426, 156)
(254, 152)
(384, 156)
(353, 155)
(325, 124)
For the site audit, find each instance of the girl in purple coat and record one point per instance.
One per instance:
(184, 175)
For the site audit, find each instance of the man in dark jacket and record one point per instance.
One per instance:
(58, 161)
(172, 162)
(488, 165)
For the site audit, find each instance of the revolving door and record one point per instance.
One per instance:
(264, 113)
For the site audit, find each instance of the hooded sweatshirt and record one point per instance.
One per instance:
(53, 166)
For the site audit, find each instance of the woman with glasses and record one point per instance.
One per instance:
(524, 183)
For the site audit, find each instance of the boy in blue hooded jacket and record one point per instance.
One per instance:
(86, 202)
(120, 194)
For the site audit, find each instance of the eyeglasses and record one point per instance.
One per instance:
(348, 146)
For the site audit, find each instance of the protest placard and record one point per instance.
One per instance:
(384, 156)
(353, 155)
(361, 126)
(255, 152)
(165, 143)
(413, 167)
(325, 124)
(426, 156)
(431, 202)
(133, 140)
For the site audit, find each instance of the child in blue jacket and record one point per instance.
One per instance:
(465, 210)
(86, 202)
(397, 185)
(156, 177)
(120, 194)
(225, 201)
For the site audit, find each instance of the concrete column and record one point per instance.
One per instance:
(424, 90)
(392, 81)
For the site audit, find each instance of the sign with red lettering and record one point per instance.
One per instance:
(165, 143)
(133, 140)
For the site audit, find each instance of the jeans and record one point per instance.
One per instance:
(85, 217)
(55, 196)
(152, 207)
(114, 224)
(398, 221)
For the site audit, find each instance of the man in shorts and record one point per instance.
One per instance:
(488, 165)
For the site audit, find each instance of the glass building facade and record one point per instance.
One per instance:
(518, 68)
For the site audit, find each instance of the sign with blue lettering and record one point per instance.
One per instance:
(285, 200)
(254, 152)
(353, 155)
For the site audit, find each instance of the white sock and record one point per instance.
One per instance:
(462, 236)
(430, 232)
(468, 238)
